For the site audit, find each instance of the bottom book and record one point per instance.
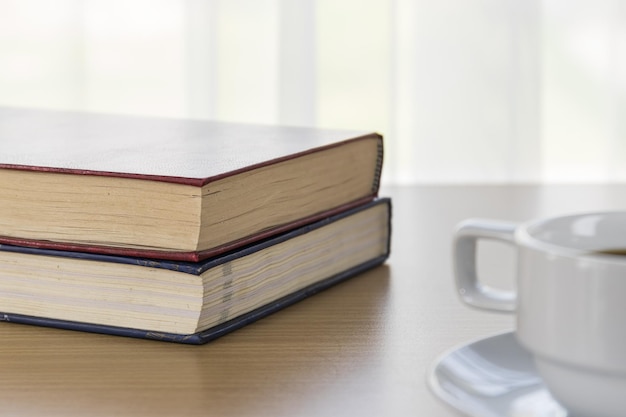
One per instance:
(186, 302)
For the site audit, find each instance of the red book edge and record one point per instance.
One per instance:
(181, 256)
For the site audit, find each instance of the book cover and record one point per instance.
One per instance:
(171, 188)
(265, 277)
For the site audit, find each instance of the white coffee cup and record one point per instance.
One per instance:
(570, 302)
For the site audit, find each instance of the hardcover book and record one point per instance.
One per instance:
(168, 188)
(190, 302)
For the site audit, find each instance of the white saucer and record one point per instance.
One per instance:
(492, 377)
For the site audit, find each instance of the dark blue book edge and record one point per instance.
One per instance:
(205, 336)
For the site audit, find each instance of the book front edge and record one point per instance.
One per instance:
(197, 256)
(208, 335)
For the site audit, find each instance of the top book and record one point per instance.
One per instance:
(171, 188)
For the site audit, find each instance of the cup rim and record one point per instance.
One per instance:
(526, 235)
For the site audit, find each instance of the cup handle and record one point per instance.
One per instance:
(471, 290)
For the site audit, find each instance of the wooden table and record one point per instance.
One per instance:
(362, 348)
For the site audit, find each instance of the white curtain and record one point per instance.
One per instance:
(463, 90)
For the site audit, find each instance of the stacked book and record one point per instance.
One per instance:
(179, 230)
